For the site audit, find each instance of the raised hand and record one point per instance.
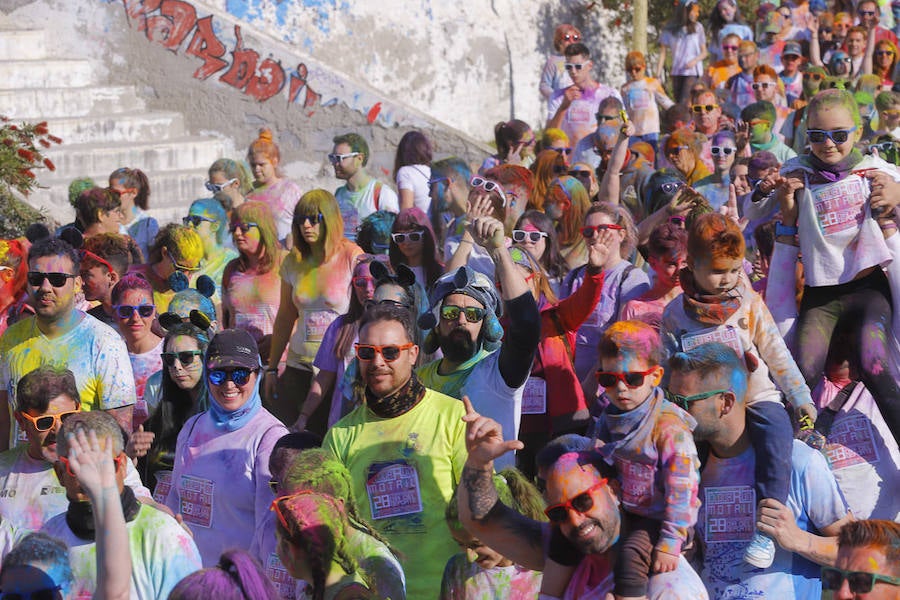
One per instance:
(139, 442)
(92, 462)
(488, 232)
(484, 438)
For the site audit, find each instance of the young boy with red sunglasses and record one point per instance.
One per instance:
(648, 440)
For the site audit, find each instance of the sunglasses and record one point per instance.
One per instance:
(244, 227)
(891, 112)
(362, 282)
(883, 146)
(119, 460)
(818, 136)
(195, 220)
(50, 593)
(813, 76)
(574, 66)
(520, 235)
(88, 255)
(36, 278)
(604, 118)
(488, 186)
(588, 231)
(311, 219)
(215, 188)
(702, 108)
(631, 379)
(48, 422)
(764, 85)
(185, 357)
(451, 313)
(884, 53)
(571, 37)
(825, 30)
(866, 13)
(636, 69)
(580, 174)
(670, 187)
(730, 48)
(684, 402)
(239, 377)
(859, 582)
(390, 352)
(581, 503)
(560, 170)
(845, 59)
(726, 150)
(124, 311)
(179, 267)
(339, 158)
(413, 236)
(676, 149)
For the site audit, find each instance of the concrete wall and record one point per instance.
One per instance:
(309, 69)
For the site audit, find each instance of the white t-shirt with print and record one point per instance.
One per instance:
(356, 206)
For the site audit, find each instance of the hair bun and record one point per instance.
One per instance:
(265, 134)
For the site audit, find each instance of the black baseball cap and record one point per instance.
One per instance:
(232, 348)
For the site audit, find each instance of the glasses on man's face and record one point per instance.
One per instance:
(724, 150)
(704, 108)
(185, 357)
(574, 66)
(57, 280)
(859, 582)
(244, 227)
(631, 379)
(215, 188)
(838, 136)
(603, 119)
(473, 314)
(238, 377)
(124, 311)
(813, 76)
(412, 236)
(119, 460)
(339, 158)
(684, 402)
(581, 504)
(313, 220)
(195, 220)
(763, 85)
(48, 422)
(389, 352)
(866, 13)
(520, 235)
(488, 186)
(49, 593)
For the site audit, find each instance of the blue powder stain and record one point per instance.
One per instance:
(281, 12)
(238, 8)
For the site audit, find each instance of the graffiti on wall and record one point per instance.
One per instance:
(170, 23)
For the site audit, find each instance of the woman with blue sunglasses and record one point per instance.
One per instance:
(220, 477)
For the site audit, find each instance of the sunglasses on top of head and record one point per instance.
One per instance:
(488, 186)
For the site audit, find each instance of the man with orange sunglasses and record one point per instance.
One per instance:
(30, 493)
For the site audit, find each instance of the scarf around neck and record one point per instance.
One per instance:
(825, 173)
(401, 401)
(80, 515)
(713, 309)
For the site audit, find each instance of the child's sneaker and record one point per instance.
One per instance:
(760, 552)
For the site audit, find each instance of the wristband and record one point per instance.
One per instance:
(887, 225)
(781, 229)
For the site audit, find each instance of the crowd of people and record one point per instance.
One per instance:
(648, 350)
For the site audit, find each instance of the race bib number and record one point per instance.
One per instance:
(196, 500)
(841, 205)
(727, 335)
(279, 576)
(637, 482)
(393, 490)
(163, 485)
(580, 112)
(534, 398)
(316, 322)
(730, 513)
(850, 443)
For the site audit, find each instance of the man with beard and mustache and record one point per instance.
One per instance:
(60, 334)
(586, 540)
(404, 448)
(464, 325)
(30, 493)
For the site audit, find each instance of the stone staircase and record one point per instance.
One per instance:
(103, 127)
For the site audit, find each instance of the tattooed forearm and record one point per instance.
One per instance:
(482, 493)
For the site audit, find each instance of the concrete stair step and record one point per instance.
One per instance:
(44, 73)
(22, 44)
(171, 193)
(24, 104)
(140, 127)
(150, 157)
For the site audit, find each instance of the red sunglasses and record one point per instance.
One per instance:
(119, 460)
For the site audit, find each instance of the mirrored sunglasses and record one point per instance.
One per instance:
(238, 377)
(473, 314)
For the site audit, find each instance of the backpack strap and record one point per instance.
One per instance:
(628, 270)
(826, 417)
(377, 194)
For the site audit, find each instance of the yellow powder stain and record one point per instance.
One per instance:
(873, 564)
